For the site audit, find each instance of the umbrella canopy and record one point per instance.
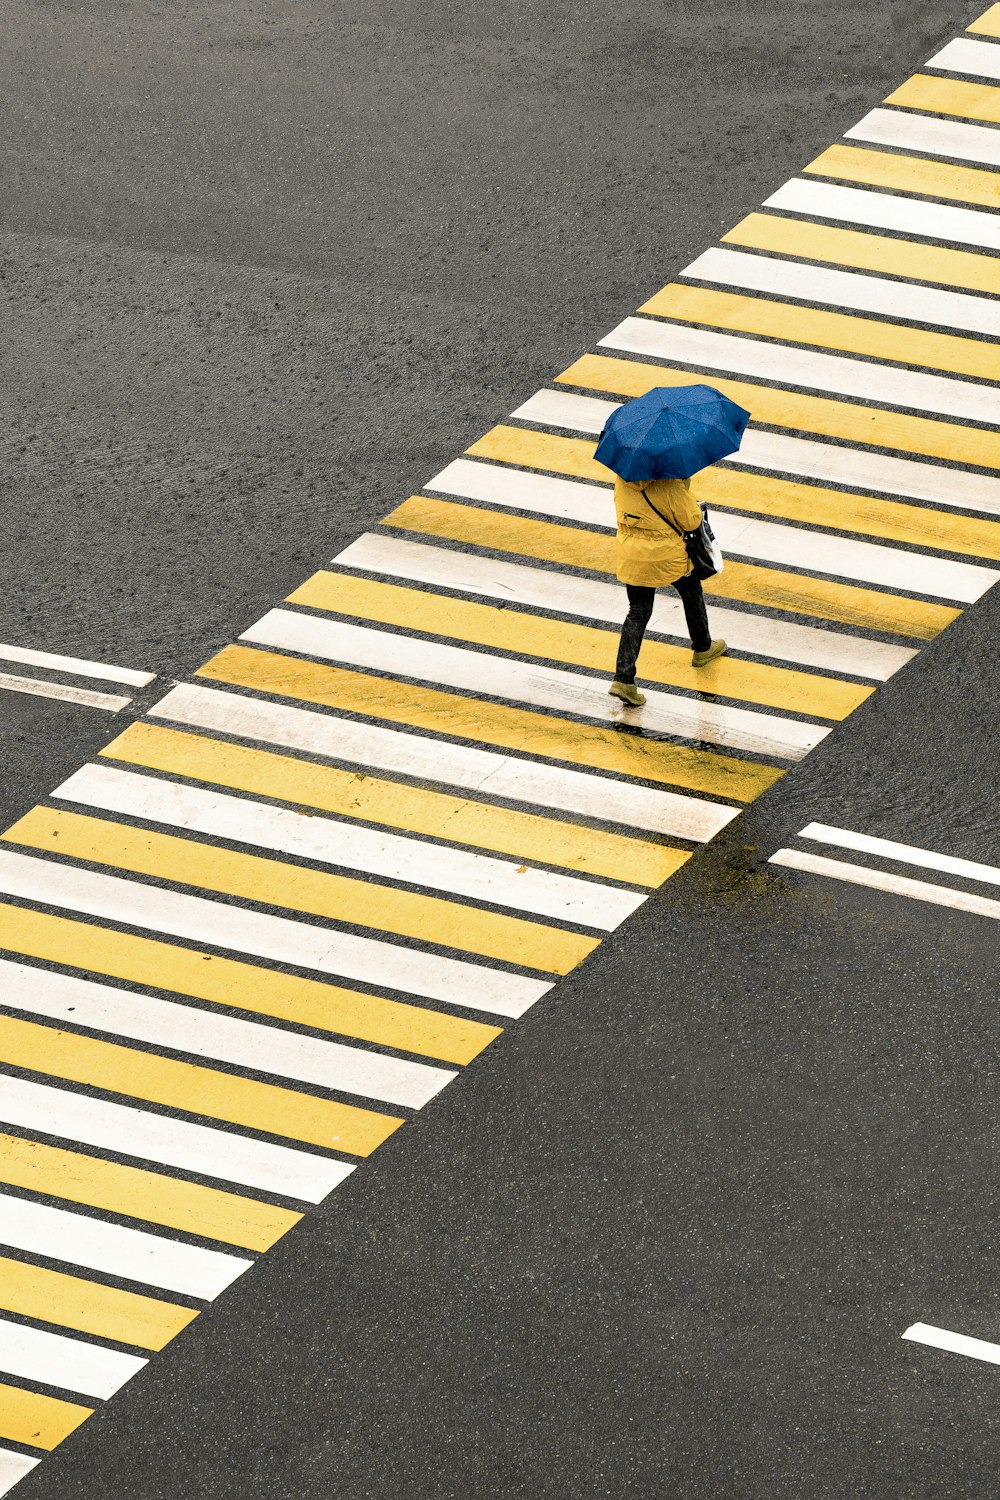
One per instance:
(671, 433)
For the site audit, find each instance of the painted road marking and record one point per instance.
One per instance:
(889, 880)
(72, 666)
(528, 782)
(52, 1359)
(14, 1467)
(161, 1139)
(888, 127)
(932, 221)
(587, 599)
(832, 373)
(953, 1343)
(132, 1254)
(65, 692)
(870, 294)
(543, 893)
(963, 55)
(965, 869)
(309, 887)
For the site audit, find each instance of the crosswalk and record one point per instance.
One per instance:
(288, 905)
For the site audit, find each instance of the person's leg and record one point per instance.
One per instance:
(640, 602)
(695, 613)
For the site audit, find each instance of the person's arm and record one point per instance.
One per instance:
(687, 511)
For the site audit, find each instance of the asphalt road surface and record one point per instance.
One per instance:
(265, 269)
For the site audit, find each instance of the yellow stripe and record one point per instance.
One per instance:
(492, 724)
(889, 519)
(335, 897)
(867, 252)
(396, 805)
(227, 981)
(36, 1420)
(908, 174)
(841, 419)
(577, 645)
(948, 96)
(829, 330)
(90, 1307)
(571, 547)
(988, 23)
(542, 450)
(199, 1091)
(138, 1194)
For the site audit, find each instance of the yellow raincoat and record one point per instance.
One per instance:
(649, 552)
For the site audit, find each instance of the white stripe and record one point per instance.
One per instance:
(68, 1116)
(529, 682)
(953, 1343)
(566, 409)
(865, 470)
(79, 666)
(881, 880)
(526, 781)
(866, 562)
(936, 221)
(857, 467)
(276, 938)
(116, 1250)
(965, 869)
(572, 594)
(912, 300)
(415, 861)
(963, 55)
(70, 1364)
(86, 697)
(567, 499)
(13, 1468)
(889, 127)
(887, 385)
(229, 1039)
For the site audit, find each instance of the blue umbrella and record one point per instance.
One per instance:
(671, 433)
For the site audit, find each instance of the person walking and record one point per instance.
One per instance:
(653, 445)
(651, 554)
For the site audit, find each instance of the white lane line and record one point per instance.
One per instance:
(64, 692)
(571, 594)
(279, 939)
(953, 1343)
(70, 1364)
(835, 374)
(79, 666)
(966, 869)
(528, 682)
(221, 1038)
(882, 880)
(963, 55)
(912, 216)
(908, 300)
(845, 557)
(415, 861)
(463, 766)
(564, 499)
(889, 127)
(230, 1157)
(13, 1468)
(830, 462)
(116, 1250)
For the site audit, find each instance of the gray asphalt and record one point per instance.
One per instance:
(265, 270)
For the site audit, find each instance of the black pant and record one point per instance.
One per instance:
(640, 607)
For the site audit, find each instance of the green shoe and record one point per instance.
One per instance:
(702, 658)
(628, 693)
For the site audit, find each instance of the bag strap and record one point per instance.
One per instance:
(659, 512)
